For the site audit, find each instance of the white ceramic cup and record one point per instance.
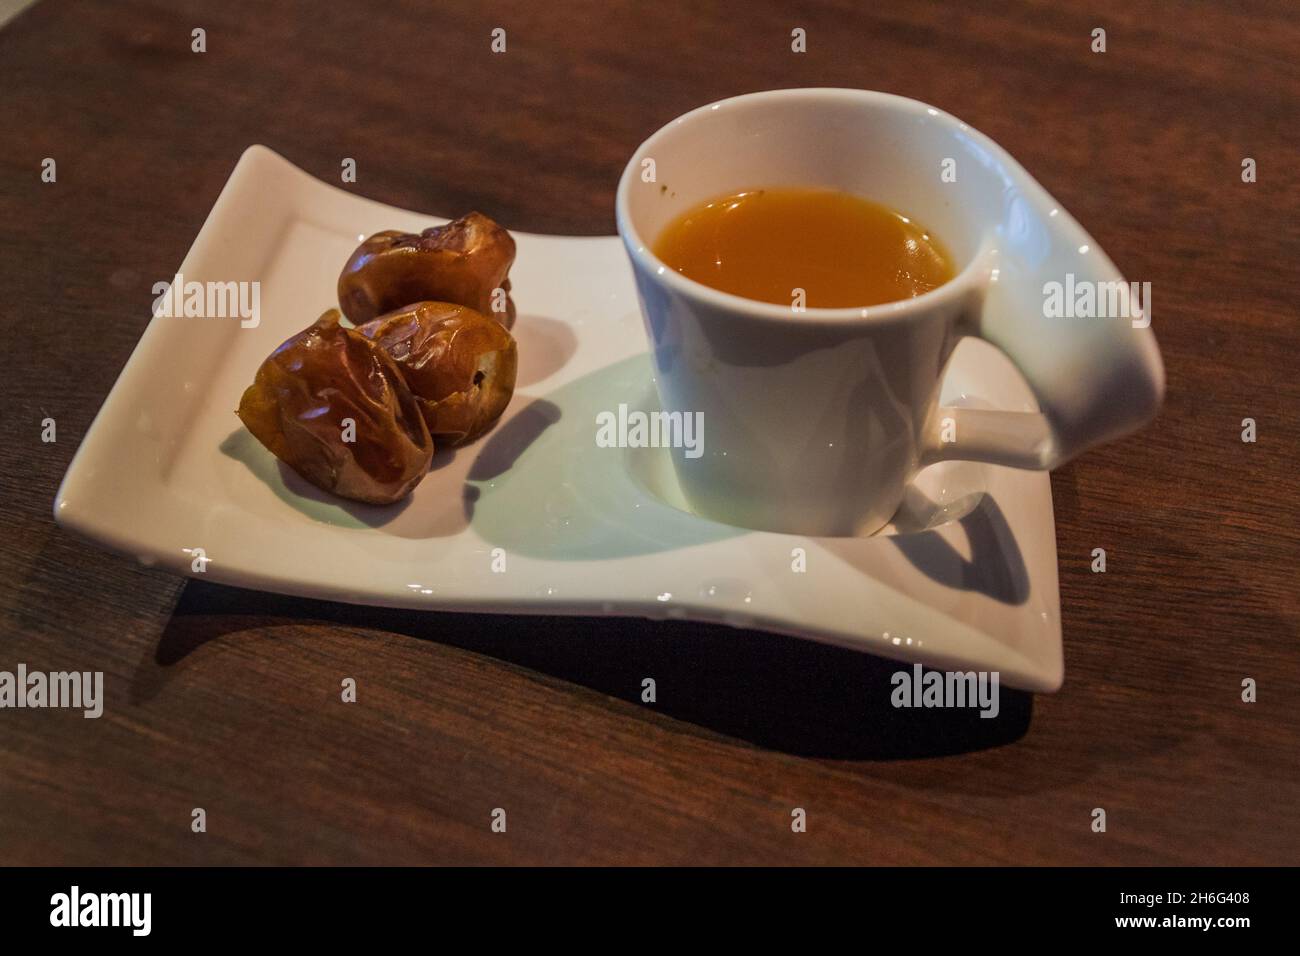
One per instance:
(814, 422)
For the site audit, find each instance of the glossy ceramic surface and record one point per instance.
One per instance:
(967, 579)
(816, 420)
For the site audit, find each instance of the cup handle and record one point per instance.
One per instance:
(1015, 439)
(1095, 379)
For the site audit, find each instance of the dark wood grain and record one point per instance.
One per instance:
(228, 700)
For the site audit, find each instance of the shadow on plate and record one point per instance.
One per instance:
(399, 518)
(996, 567)
(772, 691)
(442, 506)
(548, 491)
(545, 347)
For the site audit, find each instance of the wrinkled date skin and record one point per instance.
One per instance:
(462, 262)
(459, 363)
(309, 385)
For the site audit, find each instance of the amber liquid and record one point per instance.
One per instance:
(841, 250)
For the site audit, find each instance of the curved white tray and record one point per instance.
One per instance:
(167, 468)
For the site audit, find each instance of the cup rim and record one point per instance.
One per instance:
(950, 293)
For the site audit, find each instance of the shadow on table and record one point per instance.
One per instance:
(776, 692)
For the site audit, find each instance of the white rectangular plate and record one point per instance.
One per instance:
(534, 517)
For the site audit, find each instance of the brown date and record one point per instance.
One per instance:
(305, 389)
(459, 363)
(463, 262)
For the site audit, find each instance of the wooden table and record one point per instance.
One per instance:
(228, 700)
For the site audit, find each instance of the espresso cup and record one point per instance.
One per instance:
(814, 421)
